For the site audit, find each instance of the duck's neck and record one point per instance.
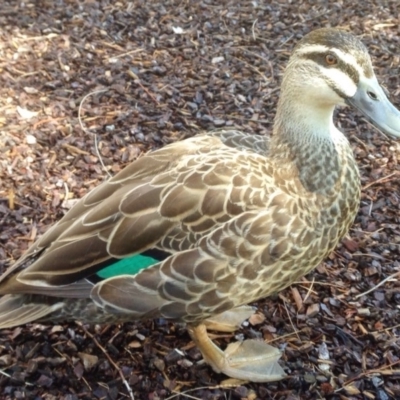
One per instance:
(306, 142)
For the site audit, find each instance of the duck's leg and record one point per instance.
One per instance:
(251, 360)
(231, 320)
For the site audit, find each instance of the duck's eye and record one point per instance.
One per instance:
(330, 59)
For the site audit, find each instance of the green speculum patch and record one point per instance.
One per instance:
(127, 266)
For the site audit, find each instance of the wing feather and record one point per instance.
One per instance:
(184, 199)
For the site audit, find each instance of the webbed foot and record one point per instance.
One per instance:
(252, 360)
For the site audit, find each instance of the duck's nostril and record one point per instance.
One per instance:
(372, 95)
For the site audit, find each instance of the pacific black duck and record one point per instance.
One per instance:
(198, 229)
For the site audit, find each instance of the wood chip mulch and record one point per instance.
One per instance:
(143, 74)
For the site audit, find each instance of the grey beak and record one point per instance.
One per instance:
(371, 100)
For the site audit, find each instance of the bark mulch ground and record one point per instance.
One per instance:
(160, 71)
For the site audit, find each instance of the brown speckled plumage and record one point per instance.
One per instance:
(240, 217)
(240, 224)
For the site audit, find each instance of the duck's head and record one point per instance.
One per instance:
(331, 67)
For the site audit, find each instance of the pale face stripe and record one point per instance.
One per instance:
(346, 57)
(341, 82)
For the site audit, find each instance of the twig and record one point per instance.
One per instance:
(185, 394)
(253, 29)
(176, 394)
(9, 376)
(66, 195)
(386, 329)
(372, 371)
(295, 332)
(380, 180)
(5, 374)
(253, 68)
(85, 130)
(309, 290)
(75, 149)
(109, 359)
(136, 79)
(379, 257)
(45, 121)
(379, 284)
(290, 319)
(72, 364)
(356, 138)
(128, 53)
(11, 198)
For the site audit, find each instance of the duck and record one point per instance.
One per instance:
(199, 229)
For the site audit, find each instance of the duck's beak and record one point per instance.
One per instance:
(371, 100)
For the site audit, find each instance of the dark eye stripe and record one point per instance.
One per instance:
(333, 86)
(319, 57)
